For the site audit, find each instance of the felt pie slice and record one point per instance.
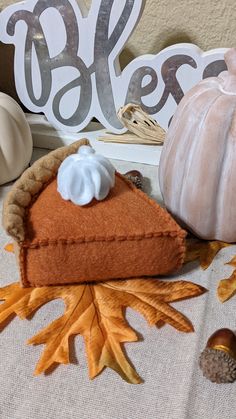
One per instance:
(127, 235)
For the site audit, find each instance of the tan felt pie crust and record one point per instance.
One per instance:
(30, 185)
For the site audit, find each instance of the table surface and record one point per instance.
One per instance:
(166, 359)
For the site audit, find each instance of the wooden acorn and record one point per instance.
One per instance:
(136, 178)
(218, 360)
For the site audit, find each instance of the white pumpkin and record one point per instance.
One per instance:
(198, 163)
(15, 140)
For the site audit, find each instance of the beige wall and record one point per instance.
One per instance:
(209, 24)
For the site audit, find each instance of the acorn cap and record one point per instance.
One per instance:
(136, 178)
(218, 360)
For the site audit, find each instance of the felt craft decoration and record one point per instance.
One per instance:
(124, 236)
(15, 140)
(198, 163)
(96, 312)
(85, 176)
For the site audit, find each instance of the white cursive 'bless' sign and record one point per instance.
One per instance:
(67, 62)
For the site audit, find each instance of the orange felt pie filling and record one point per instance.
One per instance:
(126, 235)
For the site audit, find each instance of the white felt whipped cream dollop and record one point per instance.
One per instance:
(85, 176)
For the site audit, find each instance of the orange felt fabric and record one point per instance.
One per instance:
(126, 235)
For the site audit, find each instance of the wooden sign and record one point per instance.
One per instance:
(67, 63)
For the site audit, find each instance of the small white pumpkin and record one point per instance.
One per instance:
(15, 140)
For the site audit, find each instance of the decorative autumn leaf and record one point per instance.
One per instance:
(96, 312)
(204, 251)
(9, 248)
(232, 262)
(227, 287)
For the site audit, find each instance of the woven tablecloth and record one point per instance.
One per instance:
(166, 359)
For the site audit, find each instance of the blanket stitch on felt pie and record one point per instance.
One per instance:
(126, 235)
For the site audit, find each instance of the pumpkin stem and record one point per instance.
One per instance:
(230, 59)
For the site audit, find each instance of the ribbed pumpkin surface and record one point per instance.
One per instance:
(198, 164)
